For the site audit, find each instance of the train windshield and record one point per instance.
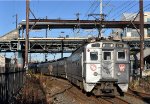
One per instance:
(121, 55)
(94, 55)
(107, 56)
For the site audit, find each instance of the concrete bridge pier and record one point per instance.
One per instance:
(20, 56)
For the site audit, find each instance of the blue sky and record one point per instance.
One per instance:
(64, 9)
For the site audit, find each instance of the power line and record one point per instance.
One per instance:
(129, 9)
(106, 5)
(92, 4)
(94, 8)
(126, 9)
(122, 9)
(147, 7)
(122, 5)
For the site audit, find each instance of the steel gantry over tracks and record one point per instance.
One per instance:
(88, 24)
(54, 45)
(43, 45)
(83, 24)
(64, 45)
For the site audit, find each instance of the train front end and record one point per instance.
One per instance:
(106, 68)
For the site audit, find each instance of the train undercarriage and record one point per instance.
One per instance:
(107, 89)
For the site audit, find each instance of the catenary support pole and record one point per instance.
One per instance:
(27, 35)
(141, 38)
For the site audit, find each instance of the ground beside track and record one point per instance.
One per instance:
(40, 89)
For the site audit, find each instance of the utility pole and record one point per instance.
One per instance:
(16, 20)
(27, 34)
(141, 37)
(102, 16)
(101, 9)
(46, 44)
(16, 16)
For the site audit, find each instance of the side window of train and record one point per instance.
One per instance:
(107, 55)
(121, 55)
(94, 56)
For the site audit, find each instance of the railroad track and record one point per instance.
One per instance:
(68, 89)
(77, 95)
(93, 99)
(116, 100)
(131, 97)
(139, 95)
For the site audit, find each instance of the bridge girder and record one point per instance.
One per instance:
(83, 24)
(56, 45)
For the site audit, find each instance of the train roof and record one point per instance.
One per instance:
(101, 41)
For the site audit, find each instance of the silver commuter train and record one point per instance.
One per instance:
(101, 68)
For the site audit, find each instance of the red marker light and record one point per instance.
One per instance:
(122, 67)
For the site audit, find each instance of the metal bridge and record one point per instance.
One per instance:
(12, 43)
(83, 24)
(42, 45)
(54, 45)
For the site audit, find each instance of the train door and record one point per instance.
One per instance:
(107, 70)
(93, 65)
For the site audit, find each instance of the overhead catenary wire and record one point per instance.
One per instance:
(106, 5)
(146, 7)
(133, 14)
(127, 9)
(92, 4)
(119, 8)
(124, 9)
(94, 9)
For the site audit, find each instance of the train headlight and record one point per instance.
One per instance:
(108, 45)
(103, 45)
(95, 73)
(111, 45)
